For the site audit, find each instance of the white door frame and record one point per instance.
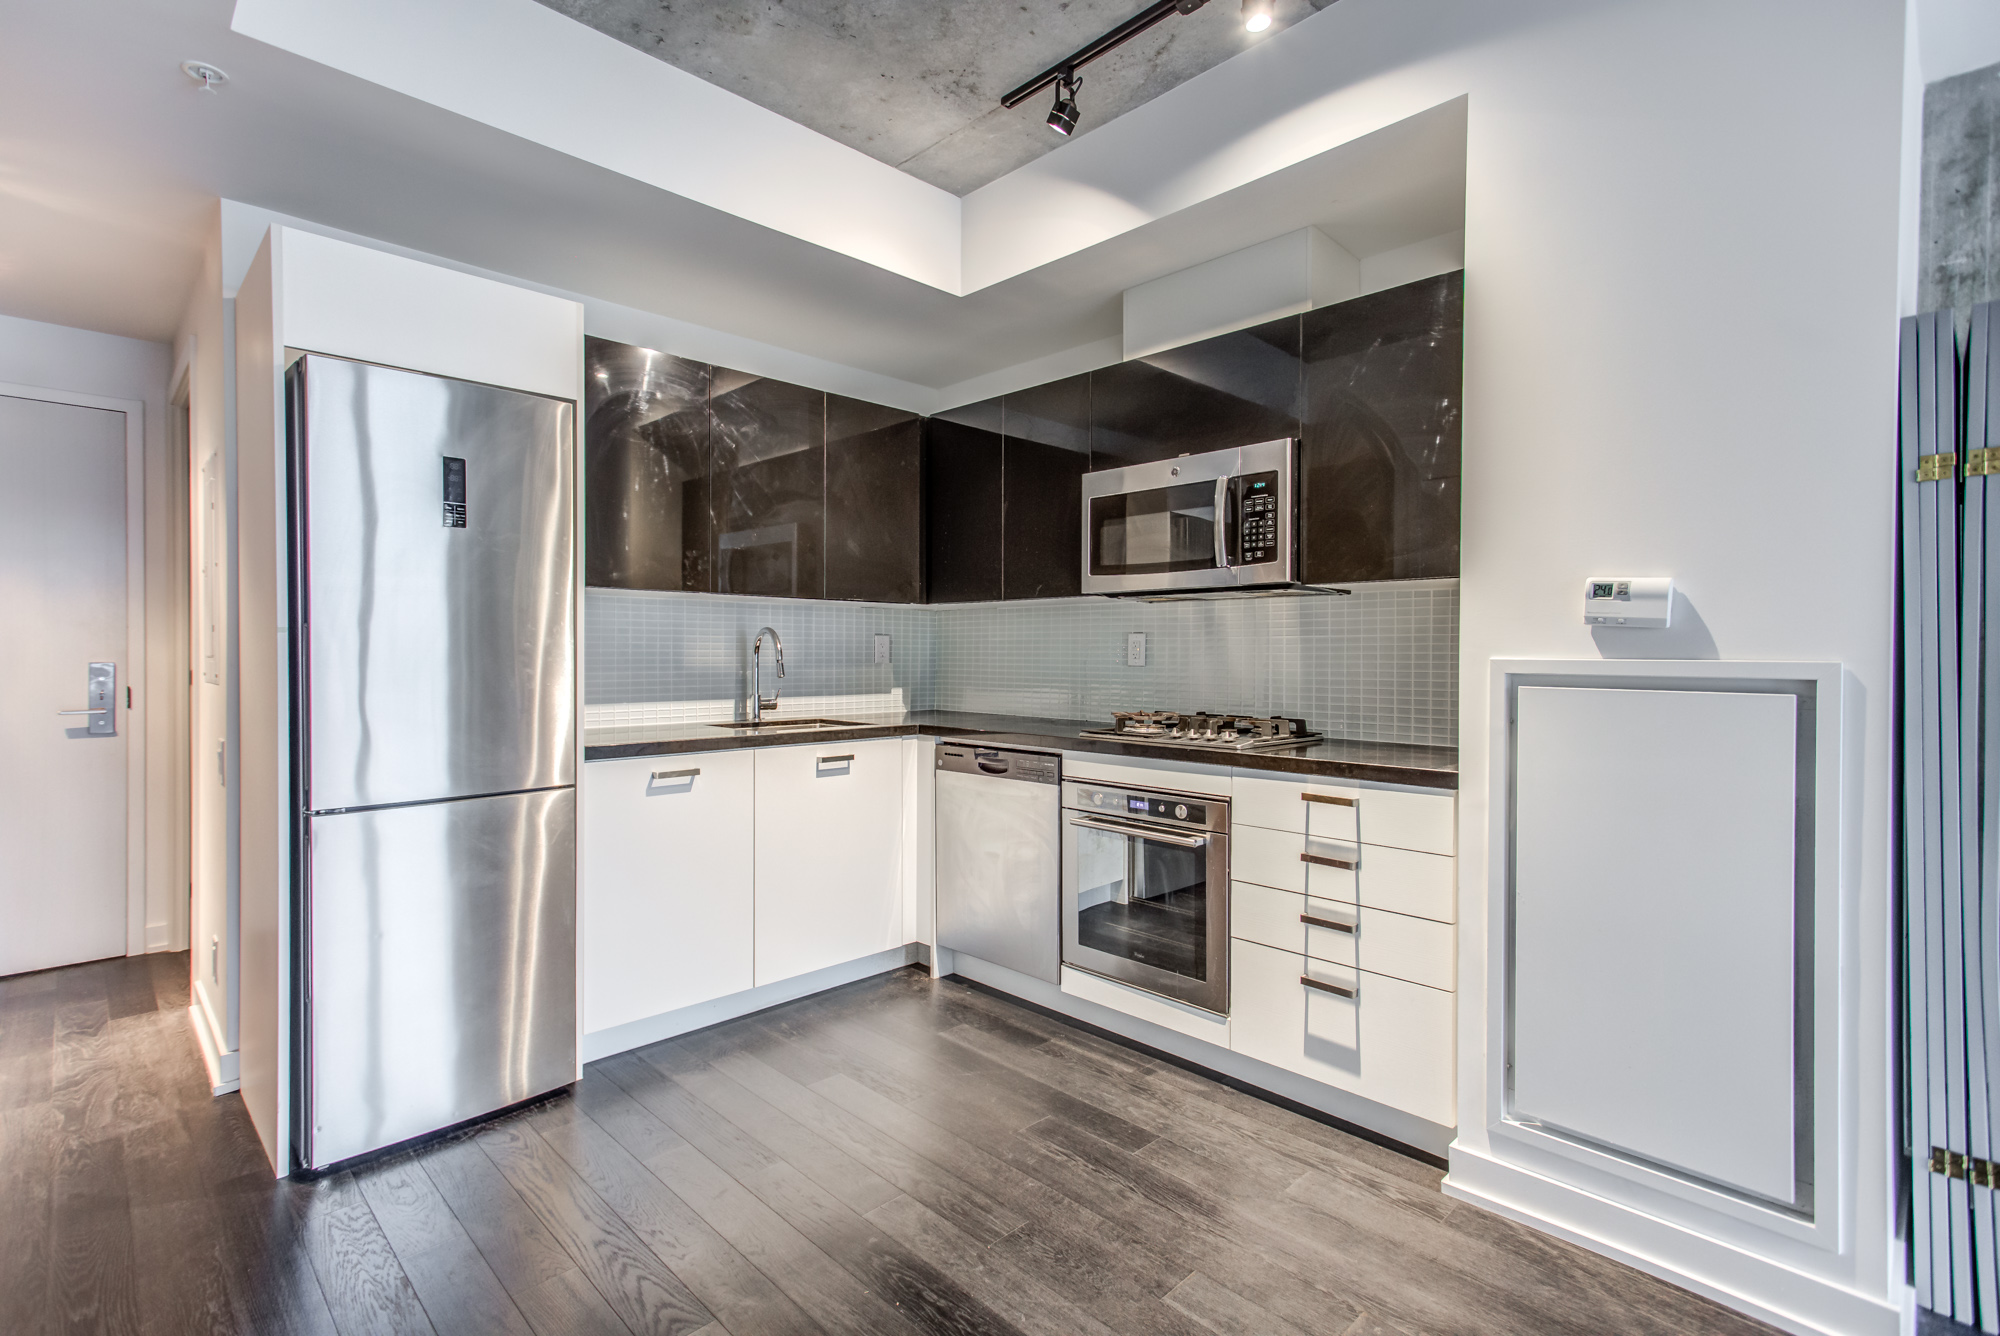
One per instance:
(134, 719)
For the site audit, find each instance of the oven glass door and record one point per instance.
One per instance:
(1160, 531)
(1148, 906)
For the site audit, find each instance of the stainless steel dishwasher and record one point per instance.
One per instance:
(999, 856)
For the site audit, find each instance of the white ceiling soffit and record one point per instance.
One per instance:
(109, 187)
(1956, 37)
(525, 69)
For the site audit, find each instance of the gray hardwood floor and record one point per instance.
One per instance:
(900, 1156)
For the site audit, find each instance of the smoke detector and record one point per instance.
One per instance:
(208, 76)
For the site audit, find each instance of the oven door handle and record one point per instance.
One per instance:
(1143, 832)
(1222, 524)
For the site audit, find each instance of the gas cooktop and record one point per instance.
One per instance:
(1224, 732)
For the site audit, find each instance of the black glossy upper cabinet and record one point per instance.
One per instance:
(646, 470)
(964, 533)
(1233, 389)
(1047, 452)
(1379, 469)
(874, 502)
(770, 486)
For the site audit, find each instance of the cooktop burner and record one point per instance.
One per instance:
(1228, 732)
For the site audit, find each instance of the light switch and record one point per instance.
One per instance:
(1135, 650)
(881, 649)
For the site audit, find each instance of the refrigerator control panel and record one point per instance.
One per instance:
(454, 493)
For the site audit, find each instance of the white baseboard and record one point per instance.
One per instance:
(651, 1030)
(222, 1069)
(1783, 1296)
(1410, 1130)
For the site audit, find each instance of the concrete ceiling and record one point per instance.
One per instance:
(111, 161)
(917, 83)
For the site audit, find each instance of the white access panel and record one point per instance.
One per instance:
(1654, 912)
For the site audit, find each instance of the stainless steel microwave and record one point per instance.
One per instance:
(1221, 520)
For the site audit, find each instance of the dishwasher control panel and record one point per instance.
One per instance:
(1000, 763)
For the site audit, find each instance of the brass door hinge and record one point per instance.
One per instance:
(1980, 1173)
(1936, 468)
(1979, 463)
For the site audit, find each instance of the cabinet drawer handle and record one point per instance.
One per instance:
(837, 760)
(1326, 798)
(1335, 924)
(1338, 990)
(1321, 860)
(676, 774)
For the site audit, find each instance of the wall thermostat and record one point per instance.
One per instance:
(1646, 603)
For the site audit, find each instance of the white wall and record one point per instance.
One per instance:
(204, 351)
(57, 357)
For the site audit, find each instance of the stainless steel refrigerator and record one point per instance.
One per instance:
(432, 547)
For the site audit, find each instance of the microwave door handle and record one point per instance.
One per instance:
(1222, 524)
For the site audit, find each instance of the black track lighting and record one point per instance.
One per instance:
(1062, 116)
(1063, 73)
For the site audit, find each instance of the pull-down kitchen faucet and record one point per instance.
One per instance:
(757, 702)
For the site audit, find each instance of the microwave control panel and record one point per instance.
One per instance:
(1257, 525)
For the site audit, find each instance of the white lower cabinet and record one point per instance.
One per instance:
(828, 848)
(1391, 1041)
(667, 883)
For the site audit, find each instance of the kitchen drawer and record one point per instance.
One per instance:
(1326, 810)
(1426, 822)
(1418, 950)
(1392, 1041)
(1277, 919)
(1398, 880)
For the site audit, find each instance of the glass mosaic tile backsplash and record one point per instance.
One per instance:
(1380, 664)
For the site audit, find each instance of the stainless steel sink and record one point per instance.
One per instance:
(789, 725)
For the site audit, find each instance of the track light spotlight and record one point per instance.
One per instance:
(1062, 116)
(1256, 15)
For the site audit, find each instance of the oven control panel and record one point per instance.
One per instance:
(1177, 809)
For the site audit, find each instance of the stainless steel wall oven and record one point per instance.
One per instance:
(1146, 890)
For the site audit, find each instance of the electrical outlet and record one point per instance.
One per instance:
(1135, 650)
(881, 649)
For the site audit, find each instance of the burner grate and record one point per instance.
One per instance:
(1232, 732)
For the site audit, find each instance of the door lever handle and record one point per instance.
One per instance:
(100, 711)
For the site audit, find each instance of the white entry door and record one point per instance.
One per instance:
(63, 607)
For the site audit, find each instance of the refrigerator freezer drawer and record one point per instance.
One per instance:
(442, 966)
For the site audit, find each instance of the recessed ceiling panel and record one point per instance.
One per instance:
(917, 83)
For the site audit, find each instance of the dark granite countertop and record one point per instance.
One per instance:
(1384, 762)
